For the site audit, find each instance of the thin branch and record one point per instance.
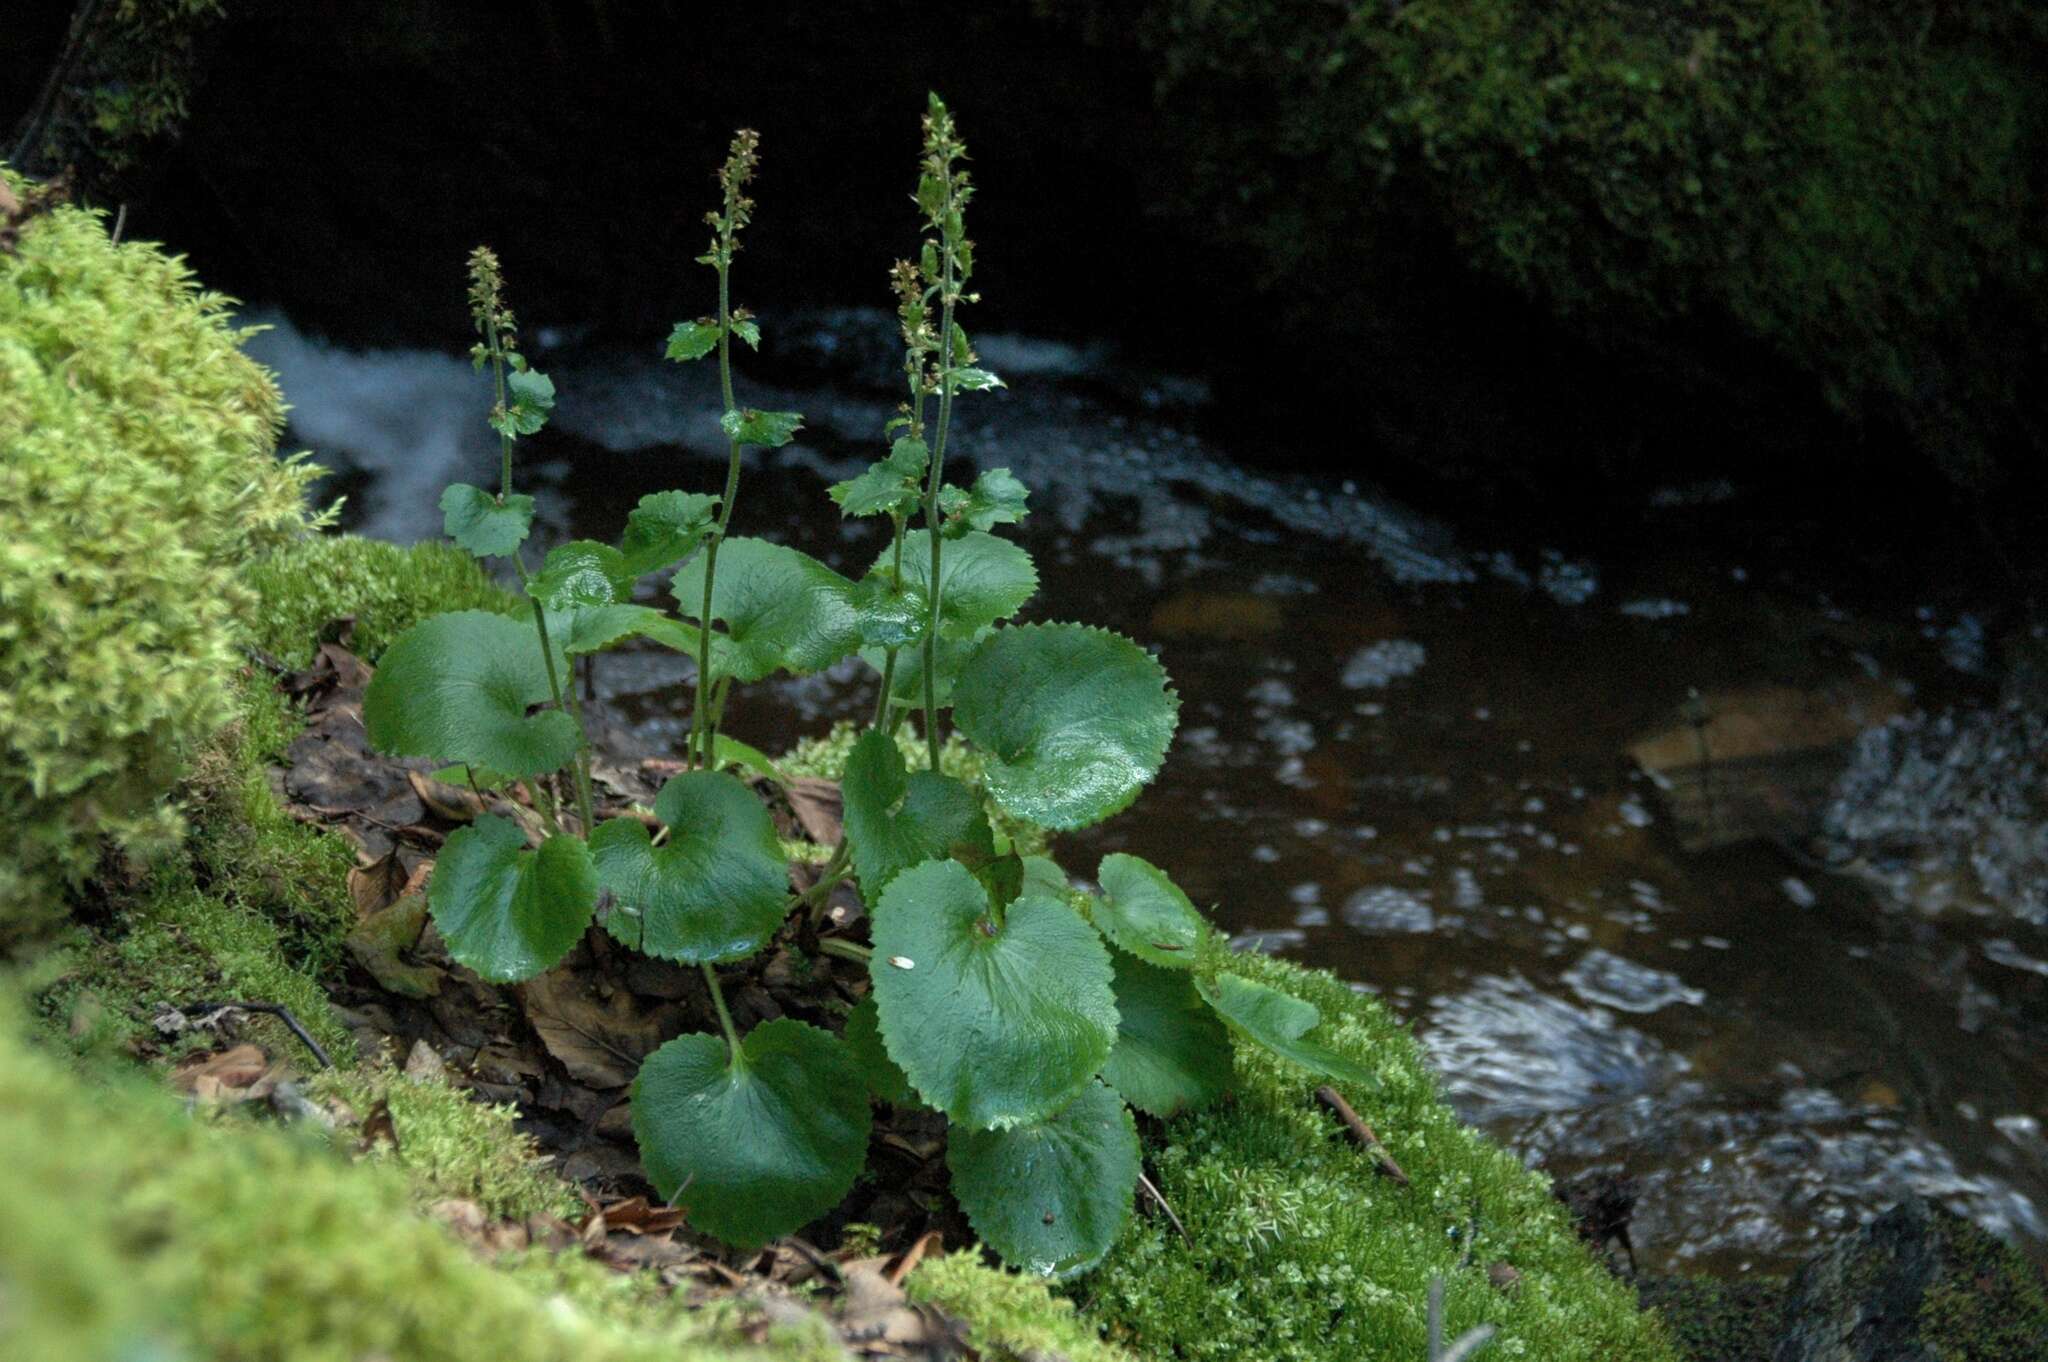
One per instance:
(1362, 1133)
(282, 1013)
(1166, 1206)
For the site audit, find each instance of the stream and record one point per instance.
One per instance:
(1404, 757)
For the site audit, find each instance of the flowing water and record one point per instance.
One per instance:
(1404, 757)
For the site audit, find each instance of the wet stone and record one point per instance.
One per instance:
(1607, 979)
(1387, 909)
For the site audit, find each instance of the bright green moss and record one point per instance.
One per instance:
(1302, 1254)
(824, 757)
(451, 1145)
(1007, 1316)
(386, 589)
(130, 1231)
(253, 907)
(138, 469)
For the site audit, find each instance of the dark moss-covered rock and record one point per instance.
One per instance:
(1710, 1320)
(1855, 189)
(1917, 1284)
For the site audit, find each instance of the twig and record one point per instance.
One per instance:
(120, 225)
(1166, 1206)
(282, 1013)
(335, 811)
(1363, 1133)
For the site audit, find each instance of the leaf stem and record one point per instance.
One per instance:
(888, 685)
(844, 949)
(536, 795)
(572, 706)
(732, 1037)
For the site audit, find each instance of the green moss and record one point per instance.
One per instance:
(1300, 1252)
(1711, 1320)
(451, 1145)
(253, 907)
(138, 470)
(128, 1230)
(386, 589)
(1989, 1304)
(1007, 1316)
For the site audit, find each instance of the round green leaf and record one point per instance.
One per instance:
(481, 524)
(1171, 1053)
(895, 821)
(992, 1025)
(986, 579)
(757, 1146)
(506, 912)
(1044, 878)
(665, 528)
(1144, 912)
(593, 628)
(1050, 1197)
(888, 485)
(772, 429)
(1074, 720)
(692, 340)
(716, 890)
(996, 498)
(889, 616)
(782, 609)
(864, 1038)
(580, 574)
(1280, 1022)
(458, 687)
(730, 751)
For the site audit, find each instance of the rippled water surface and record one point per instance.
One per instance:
(1404, 757)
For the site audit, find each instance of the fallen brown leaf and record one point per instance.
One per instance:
(915, 1254)
(817, 806)
(381, 940)
(242, 1074)
(455, 803)
(376, 886)
(377, 1126)
(599, 1040)
(636, 1215)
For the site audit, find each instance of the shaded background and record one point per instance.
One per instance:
(1482, 253)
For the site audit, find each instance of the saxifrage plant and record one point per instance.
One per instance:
(1032, 1016)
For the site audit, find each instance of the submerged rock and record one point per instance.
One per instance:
(1917, 1284)
(1760, 761)
(1950, 810)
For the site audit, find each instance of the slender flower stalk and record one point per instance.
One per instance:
(726, 224)
(943, 191)
(499, 345)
